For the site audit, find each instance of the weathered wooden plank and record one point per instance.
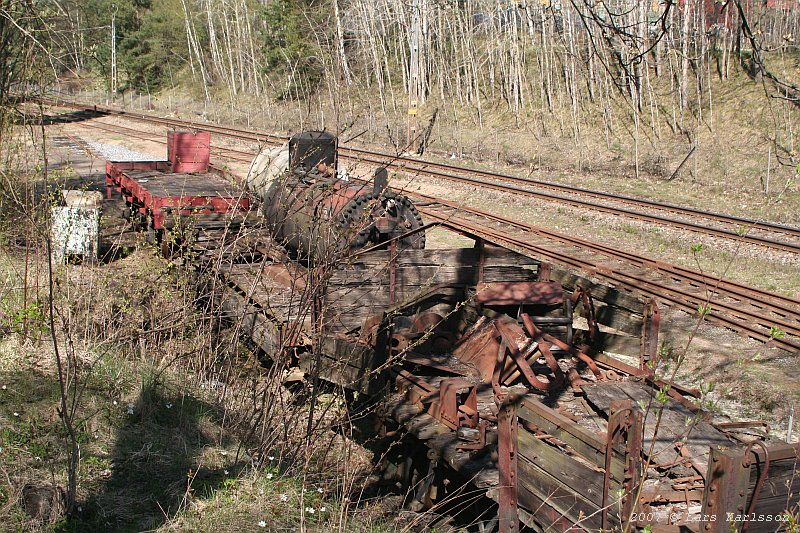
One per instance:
(425, 427)
(493, 256)
(264, 333)
(619, 319)
(665, 424)
(275, 276)
(781, 490)
(621, 344)
(345, 363)
(356, 355)
(347, 309)
(533, 480)
(590, 446)
(546, 518)
(281, 302)
(608, 295)
(481, 470)
(231, 220)
(352, 301)
(338, 372)
(570, 472)
(430, 275)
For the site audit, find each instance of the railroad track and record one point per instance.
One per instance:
(759, 314)
(767, 234)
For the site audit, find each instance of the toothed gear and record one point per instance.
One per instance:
(398, 208)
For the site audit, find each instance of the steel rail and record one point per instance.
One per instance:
(790, 306)
(743, 236)
(786, 307)
(732, 219)
(678, 297)
(409, 164)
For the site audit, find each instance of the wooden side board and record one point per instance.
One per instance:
(366, 286)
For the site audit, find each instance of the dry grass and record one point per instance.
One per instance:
(160, 446)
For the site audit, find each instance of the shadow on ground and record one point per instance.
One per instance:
(61, 118)
(164, 444)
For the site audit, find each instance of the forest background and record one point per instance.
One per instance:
(691, 101)
(701, 88)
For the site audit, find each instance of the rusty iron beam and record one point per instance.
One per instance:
(392, 272)
(726, 489)
(651, 323)
(507, 427)
(519, 293)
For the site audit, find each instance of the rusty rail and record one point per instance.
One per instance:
(512, 184)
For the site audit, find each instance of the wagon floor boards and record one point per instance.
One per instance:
(180, 185)
(665, 425)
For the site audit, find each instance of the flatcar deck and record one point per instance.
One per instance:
(183, 185)
(163, 193)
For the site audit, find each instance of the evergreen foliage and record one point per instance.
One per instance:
(151, 45)
(291, 49)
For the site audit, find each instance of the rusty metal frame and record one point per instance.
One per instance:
(762, 477)
(392, 271)
(584, 296)
(478, 444)
(543, 272)
(521, 356)
(728, 482)
(625, 425)
(479, 245)
(507, 427)
(458, 412)
(726, 489)
(651, 324)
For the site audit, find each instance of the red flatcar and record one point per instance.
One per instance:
(163, 194)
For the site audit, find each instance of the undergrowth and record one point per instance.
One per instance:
(161, 403)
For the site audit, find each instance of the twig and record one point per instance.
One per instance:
(685, 159)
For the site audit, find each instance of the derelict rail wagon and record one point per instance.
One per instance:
(494, 360)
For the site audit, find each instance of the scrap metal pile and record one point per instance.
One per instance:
(494, 360)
